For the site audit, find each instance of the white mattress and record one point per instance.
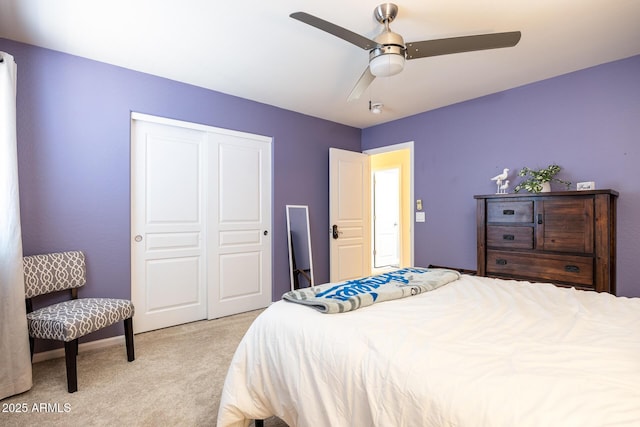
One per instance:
(476, 352)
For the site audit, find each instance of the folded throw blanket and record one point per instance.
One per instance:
(353, 294)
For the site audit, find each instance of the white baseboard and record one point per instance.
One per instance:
(91, 345)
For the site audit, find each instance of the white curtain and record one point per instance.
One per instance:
(15, 362)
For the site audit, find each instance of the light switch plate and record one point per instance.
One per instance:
(420, 216)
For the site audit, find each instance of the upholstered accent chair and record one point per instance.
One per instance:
(69, 320)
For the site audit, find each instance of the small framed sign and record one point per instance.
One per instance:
(587, 185)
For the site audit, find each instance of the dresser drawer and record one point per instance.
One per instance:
(542, 267)
(509, 237)
(512, 212)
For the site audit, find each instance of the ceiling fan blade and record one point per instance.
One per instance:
(437, 47)
(363, 83)
(336, 30)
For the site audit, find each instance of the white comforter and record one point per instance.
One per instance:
(476, 352)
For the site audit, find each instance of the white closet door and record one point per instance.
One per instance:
(240, 212)
(200, 220)
(168, 225)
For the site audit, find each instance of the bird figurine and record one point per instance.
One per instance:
(499, 179)
(502, 176)
(503, 188)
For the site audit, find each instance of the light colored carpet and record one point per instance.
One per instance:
(175, 380)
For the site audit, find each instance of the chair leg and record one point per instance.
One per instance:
(128, 337)
(70, 353)
(32, 344)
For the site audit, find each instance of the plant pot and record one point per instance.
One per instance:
(546, 187)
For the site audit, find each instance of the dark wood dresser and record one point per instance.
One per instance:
(567, 238)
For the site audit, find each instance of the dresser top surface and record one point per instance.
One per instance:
(549, 194)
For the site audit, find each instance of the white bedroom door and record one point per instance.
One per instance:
(168, 225)
(349, 207)
(240, 211)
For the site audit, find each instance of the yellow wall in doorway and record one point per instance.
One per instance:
(399, 159)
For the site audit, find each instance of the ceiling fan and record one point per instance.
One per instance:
(387, 52)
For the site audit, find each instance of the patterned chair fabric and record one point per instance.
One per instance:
(53, 272)
(72, 319)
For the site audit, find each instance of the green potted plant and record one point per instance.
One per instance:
(540, 180)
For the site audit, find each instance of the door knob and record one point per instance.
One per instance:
(138, 238)
(334, 231)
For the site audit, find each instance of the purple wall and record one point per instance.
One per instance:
(73, 153)
(588, 122)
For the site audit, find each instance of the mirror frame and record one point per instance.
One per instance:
(290, 243)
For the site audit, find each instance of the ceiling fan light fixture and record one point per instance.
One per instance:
(386, 61)
(386, 65)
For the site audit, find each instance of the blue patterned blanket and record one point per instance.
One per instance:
(353, 294)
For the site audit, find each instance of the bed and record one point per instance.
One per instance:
(475, 352)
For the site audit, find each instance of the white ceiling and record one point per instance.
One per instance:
(252, 49)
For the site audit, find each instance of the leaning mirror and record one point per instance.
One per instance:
(299, 237)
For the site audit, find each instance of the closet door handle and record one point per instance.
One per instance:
(539, 218)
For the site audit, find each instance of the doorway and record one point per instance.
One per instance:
(392, 207)
(350, 208)
(386, 218)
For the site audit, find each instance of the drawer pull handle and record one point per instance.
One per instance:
(508, 237)
(539, 218)
(501, 261)
(572, 268)
(508, 212)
